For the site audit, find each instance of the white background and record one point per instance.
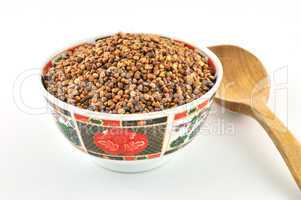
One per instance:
(38, 163)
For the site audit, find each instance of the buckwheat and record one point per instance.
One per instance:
(130, 73)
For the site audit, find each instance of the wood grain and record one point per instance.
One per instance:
(245, 88)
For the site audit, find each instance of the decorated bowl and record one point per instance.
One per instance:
(132, 142)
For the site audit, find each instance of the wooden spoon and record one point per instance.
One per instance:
(245, 88)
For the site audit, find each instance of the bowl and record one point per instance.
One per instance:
(132, 142)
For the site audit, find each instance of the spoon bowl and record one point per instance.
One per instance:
(241, 85)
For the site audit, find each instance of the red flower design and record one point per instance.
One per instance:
(120, 142)
(47, 67)
(211, 66)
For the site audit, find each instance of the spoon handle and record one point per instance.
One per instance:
(286, 143)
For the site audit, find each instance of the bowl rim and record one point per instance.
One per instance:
(136, 116)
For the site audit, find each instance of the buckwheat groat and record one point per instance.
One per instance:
(130, 73)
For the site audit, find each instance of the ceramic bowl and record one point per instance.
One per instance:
(132, 142)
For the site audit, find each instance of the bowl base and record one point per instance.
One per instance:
(134, 166)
